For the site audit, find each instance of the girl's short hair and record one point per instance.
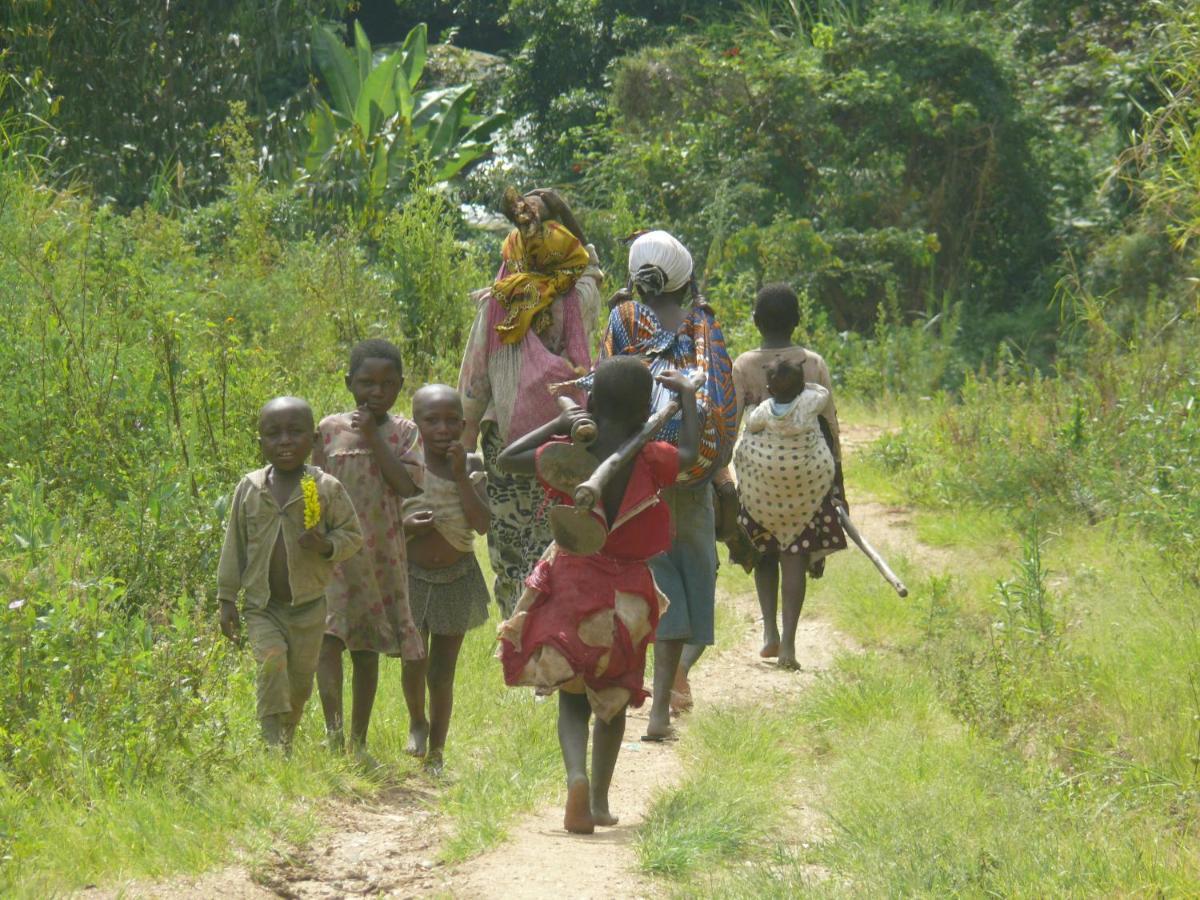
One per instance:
(777, 309)
(621, 389)
(375, 348)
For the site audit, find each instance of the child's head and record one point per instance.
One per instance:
(526, 211)
(621, 388)
(438, 411)
(785, 380)
(285, 432)
(776, 311)
(375, 376)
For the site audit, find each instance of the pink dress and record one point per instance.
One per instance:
(367, 600)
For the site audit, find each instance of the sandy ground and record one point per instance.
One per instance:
(387, 847)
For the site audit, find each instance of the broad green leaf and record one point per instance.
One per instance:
(464, 155)
(431, 104)
(483, 127)
(447, 130)
(404, 95)
(377, 92)
(379, 168)
(321, 130)
(337, 67)
(414, 54)
(362, 47)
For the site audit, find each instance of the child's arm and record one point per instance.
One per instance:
(689, 429)
(474, 504)
(520, 457)
(318, 450)
(394, 472)
(231, 566)
(474, 382)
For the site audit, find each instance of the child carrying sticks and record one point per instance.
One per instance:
(584, 622)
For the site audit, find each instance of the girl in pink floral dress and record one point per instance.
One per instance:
(374, 454)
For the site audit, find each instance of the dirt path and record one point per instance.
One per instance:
(387, 846)
(541, 860)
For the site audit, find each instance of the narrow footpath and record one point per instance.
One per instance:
(387, 846)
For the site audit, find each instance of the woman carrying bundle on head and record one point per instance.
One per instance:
(531, 331)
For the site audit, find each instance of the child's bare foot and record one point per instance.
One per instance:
(434, 763)
(769, 649)
(578, 816)
(787, 661)
(418, 739)
(604, 818)
(680, 702)
(681, 694)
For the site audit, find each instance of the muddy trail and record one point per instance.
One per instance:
(388, 845)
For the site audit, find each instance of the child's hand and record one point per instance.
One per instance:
(567, 418)
(677, 382)
(363, 421)
(314, 540)
(624, 295)
(231, 623)
(418, 522)
(457, 454)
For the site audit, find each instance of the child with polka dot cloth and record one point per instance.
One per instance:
(786, 475)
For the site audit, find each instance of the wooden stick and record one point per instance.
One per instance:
(583, 432)
(872, 554)
(587, 495)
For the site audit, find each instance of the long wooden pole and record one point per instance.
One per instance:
(871, 553)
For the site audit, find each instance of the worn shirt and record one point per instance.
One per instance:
(253, 527)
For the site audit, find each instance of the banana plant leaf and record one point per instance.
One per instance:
(337, 67)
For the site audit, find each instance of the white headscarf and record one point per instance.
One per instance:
(658, 263)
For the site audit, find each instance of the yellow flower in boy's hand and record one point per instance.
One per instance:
(312, 501)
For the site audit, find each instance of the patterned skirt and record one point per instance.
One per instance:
(519, 531)
(822, 536)
(452, 600)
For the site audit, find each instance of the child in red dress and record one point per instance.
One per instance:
(585, 621)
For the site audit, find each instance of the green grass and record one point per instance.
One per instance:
(724, 808)
(951, 759)
(502, 759)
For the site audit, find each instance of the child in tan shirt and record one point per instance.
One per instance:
(281, 561)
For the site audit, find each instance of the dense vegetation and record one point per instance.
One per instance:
(992, 211)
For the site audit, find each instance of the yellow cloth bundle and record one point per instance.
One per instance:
(540, 268)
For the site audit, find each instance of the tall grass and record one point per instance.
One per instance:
(1024, 724)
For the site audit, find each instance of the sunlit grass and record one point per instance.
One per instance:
(501, 756)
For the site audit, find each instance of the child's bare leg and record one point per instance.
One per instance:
(606, 744)
(363, 684)
(681, 701)
(443, 659)
(573, 715)
(666, 664)
(412, 679)
(766, 583)
(272, 729)
(329, 686)
(794, 583)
